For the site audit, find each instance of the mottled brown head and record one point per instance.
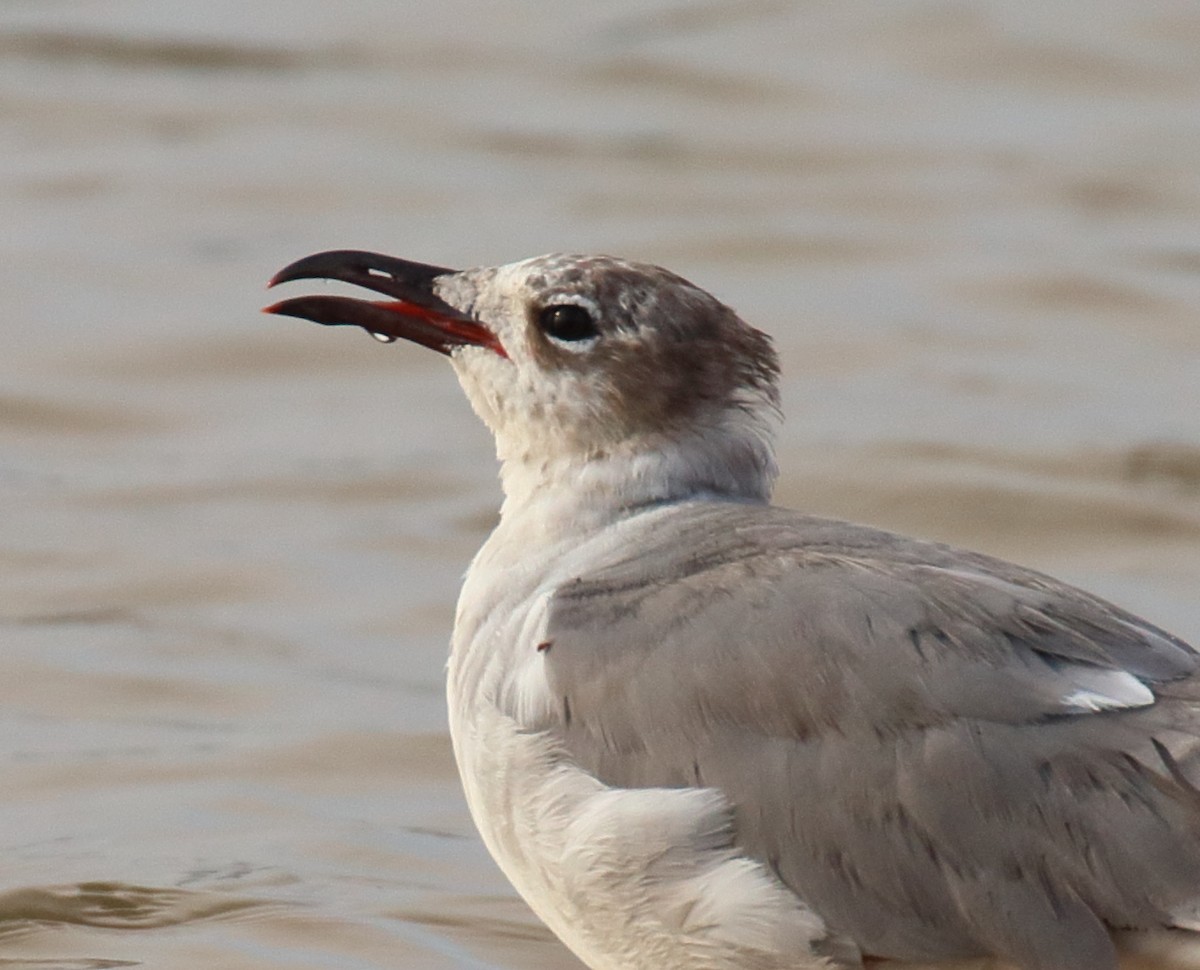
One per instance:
(603, 352)
(569, 355)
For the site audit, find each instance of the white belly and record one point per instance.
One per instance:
(641, 879)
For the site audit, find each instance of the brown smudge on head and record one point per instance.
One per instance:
(668, 354)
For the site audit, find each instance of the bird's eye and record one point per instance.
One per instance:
(567, 321)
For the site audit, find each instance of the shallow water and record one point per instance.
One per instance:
(230, 544)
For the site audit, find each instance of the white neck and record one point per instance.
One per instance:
(571, 494)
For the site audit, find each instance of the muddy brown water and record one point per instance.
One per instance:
(230, 544)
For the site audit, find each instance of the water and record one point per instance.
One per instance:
(231, 543)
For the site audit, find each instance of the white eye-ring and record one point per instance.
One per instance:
(568, 324)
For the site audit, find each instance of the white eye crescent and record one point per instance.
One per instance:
(567, 323)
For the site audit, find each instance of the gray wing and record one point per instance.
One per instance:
(942, 753)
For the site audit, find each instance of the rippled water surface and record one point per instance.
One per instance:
(230, 544)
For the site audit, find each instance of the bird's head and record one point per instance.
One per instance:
(577, 359)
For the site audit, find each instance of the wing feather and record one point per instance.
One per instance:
(942, 753)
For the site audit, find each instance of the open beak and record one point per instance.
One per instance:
(414, 312)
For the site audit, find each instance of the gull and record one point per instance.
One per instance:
(700, 732)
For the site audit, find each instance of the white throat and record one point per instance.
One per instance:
(571, 493)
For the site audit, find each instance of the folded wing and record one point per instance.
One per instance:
(942, 753)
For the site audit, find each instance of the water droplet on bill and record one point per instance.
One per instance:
(384, 338)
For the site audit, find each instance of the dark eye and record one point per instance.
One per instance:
(567, 321)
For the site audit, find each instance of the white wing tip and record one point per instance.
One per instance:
(1104, 690)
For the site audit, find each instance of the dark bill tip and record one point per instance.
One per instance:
(387, 321)
(399, 278)
(415, 313)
